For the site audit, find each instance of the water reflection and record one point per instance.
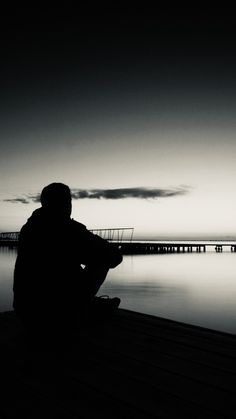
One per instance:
(193, 288)
(7, 261)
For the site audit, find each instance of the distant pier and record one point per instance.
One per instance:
(163, 248)
(123, 238)
(149, 248)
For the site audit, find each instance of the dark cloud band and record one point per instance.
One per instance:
(120, 193)
(123, 193)
(17, 200)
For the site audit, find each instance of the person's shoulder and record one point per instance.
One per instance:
(31, 222)
(77, 226)
(79, 230)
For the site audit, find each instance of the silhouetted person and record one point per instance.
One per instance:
(51, 288)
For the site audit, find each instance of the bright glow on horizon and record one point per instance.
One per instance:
(207, 210)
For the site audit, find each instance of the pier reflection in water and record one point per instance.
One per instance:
(7, 261)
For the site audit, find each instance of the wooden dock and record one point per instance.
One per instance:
(129, 366)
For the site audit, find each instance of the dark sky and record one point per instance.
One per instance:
(129, 92)
(90, 59)
(47, 55)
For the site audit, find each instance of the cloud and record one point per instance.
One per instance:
(17, 200)
(120, 193)
(27, 199)
(34, 198)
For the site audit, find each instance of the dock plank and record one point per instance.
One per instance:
(128, 366)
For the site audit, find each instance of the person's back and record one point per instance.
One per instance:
(49, 282)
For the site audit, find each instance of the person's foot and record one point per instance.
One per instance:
(105, 305)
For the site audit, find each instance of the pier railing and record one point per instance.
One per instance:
(117, 235)
(9, 237)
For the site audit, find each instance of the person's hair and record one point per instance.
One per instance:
(55, 194)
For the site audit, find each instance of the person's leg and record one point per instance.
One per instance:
(91, 306)
(93, 279)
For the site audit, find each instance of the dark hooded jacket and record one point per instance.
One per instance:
(48, 275)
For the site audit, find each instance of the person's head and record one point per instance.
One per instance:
(56, 199)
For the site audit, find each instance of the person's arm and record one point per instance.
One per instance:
(96, 251)
(100, 252)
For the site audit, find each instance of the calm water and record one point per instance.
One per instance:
(193, 288)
